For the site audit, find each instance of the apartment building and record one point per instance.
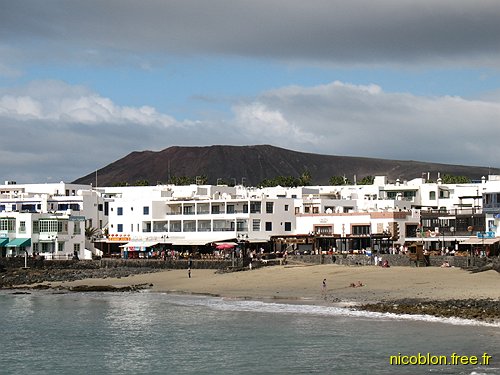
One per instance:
(51, 219)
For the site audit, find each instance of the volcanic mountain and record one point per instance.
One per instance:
(250, 165)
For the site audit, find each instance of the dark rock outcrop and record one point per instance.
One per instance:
(487, 310)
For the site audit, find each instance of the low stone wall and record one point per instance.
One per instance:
(393, 259)
(169, 264)
(345, 259)
(10, 263)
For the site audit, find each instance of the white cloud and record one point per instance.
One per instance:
(346, 119)
(256, 121)
(67, 131)
(56, 101)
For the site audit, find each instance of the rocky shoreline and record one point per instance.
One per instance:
(484, 310)
(14, 278)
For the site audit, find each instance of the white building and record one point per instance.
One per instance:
(49, 219)
(350, 218)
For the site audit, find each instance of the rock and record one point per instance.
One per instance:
(483, 309)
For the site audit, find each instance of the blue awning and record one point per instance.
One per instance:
(3, 241)
(19, 242)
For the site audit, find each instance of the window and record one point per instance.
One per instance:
(307, 209)
(22, 227)
(256, 225)
(230, 208)
(67, 206)
(51, 226)
(241, 225)
(288, 226)
(361, 230)
(432, 195)
(269, 226)
(77, 229)
(255, 207)
(28, 207)
(323, 229)
(215, 210)
(119, 211)
(48, 226)
(444, 194)
(297, 210)
(269, 207)
(36, 228)
(119, 228)
(315, 210)
(145, 210)
(34, 247)
(286, 207)
(76, 248)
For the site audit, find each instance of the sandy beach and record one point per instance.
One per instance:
(304, 283)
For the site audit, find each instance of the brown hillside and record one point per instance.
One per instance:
(252, 164)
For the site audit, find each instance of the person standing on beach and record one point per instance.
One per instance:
(323, 289)
(190, 264)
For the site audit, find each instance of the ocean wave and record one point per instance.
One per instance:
(225, 304)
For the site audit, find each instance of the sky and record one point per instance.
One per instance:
(85, 82)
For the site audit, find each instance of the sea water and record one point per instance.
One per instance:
(156, 333)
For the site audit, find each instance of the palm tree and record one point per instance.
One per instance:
(91, 232)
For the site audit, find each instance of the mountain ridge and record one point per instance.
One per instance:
(252, 164)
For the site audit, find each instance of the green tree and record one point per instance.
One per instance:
(182, 180)
(286, 181)
(305, 178)
(141, 183)
(201, 180)
(91, 232)
(121, 183)
(367, 180)
(339, 180)
(450, 179)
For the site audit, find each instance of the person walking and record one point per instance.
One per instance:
(190, 264)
